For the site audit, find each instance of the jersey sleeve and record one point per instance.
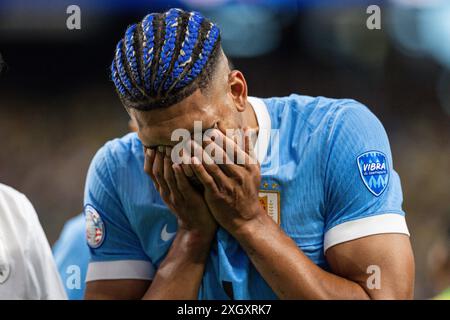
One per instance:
(363, 193)
(115, 250)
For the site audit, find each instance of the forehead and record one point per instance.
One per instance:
(156, 126)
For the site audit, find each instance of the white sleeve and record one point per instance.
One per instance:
(43, 277)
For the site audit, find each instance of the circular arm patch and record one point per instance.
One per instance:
(95, 228)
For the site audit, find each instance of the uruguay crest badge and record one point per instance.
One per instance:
(269, 198)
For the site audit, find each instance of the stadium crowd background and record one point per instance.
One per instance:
(58, 106)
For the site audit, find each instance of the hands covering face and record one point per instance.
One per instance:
(228, 172)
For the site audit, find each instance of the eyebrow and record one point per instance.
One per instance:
(203, 132)
(149, 147)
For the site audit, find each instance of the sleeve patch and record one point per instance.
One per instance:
(374, 171)
(95, 228)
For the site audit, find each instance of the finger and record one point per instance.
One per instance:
(236, 147)
(187, 170)
(232, 148)
(216, 143)
(203, 175)
(222, 181)
(249, 135)
(215, 150)
(149, 158)
(226, 163)
(158, 172)
(186, 160)
(169, 176)
(181, 180)
(213, 146)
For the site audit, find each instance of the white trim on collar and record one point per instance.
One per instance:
(264, 124)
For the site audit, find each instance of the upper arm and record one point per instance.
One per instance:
(364, 221)
(363, 193)
(126, 289)
(383, 265)
(116, 254)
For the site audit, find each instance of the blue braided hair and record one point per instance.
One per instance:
(168, 46)
(122, 73)
(147, 49)
(165, 58)
(115, 77)
(130, 54)
(208, 46)
(186, 51)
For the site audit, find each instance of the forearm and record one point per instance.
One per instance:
(287, 270)
(179, 275)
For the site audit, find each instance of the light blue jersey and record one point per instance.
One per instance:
(71, 255)
(327, 178)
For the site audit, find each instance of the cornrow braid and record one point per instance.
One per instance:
(208, 46)
(183, 21)
(160, 30)
(168, 46)
(130, 54)
(147, 49)
(187, 48)
(115, 77)
(165, 58)
(122, 73)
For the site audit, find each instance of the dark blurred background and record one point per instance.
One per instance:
(58, 105)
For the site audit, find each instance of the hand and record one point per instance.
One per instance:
(231, 190)
(182, 199)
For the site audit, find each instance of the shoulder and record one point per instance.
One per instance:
(11, 195)
(116, 158)
(118, 152)
(323, 122)
(314, 112)
(352, 115)
(15, 206)
(19, 219)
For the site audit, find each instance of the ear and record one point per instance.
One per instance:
(132, 125)
(238, 89)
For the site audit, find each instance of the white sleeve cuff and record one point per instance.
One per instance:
(121, 269)
(355, 229)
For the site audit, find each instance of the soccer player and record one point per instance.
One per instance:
(318, 217)
(27, 268)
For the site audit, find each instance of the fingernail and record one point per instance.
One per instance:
(161, 149)
(168, 151)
